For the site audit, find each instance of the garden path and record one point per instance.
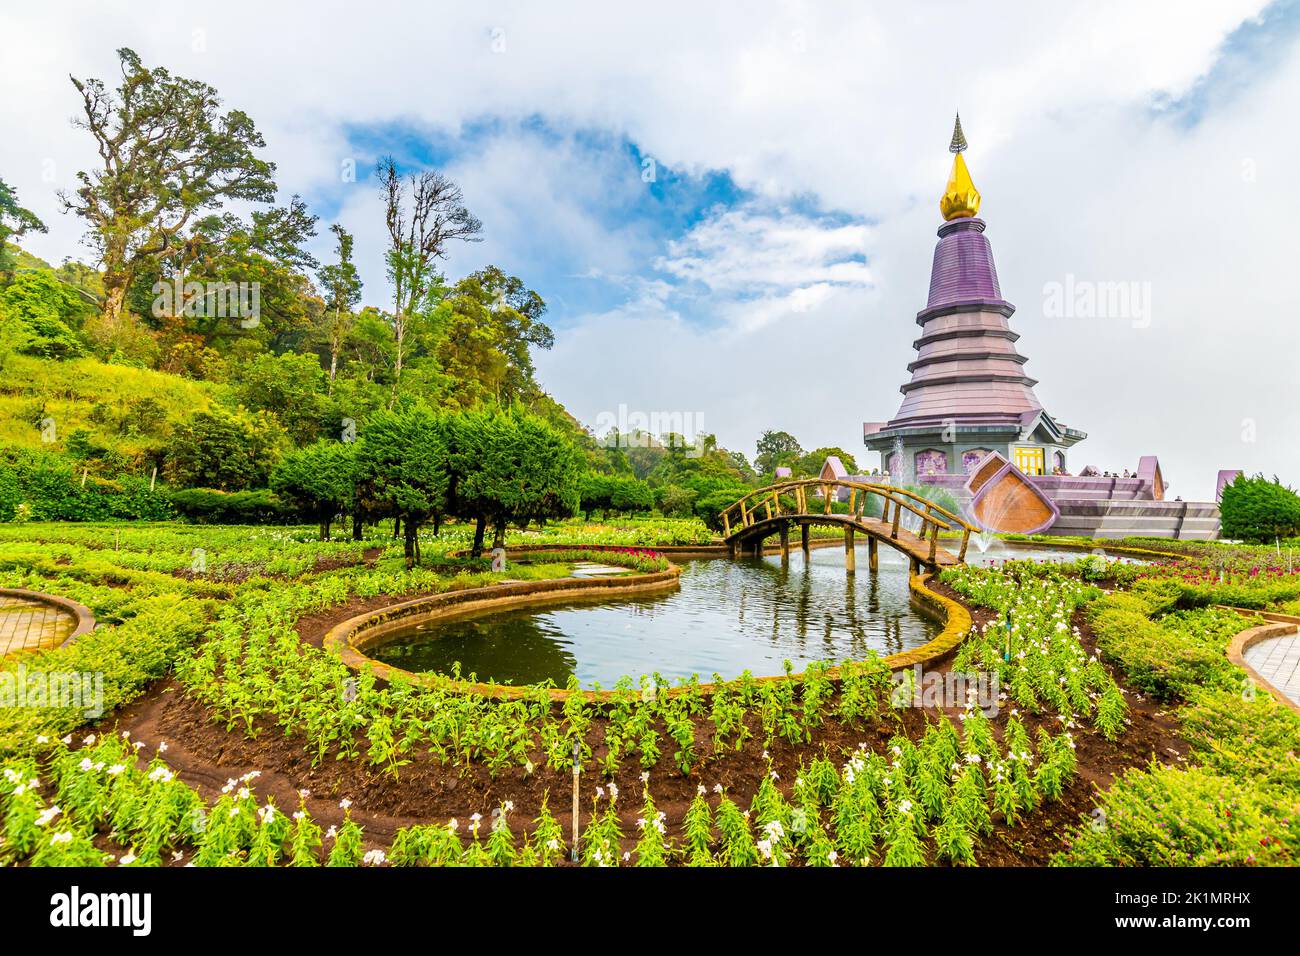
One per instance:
(1277, 660)
(29, 625)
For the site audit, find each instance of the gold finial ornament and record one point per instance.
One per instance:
(960, 197)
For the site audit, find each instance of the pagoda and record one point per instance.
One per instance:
(968, 394)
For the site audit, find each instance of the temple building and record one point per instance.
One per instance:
(970, 422)
(969, 393)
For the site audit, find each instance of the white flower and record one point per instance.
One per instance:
(89, 741)
(161, 775)
(85, 764)
(64, 837)
(331, 833)
(345, 803)
(374, 858)
(116, 769)
(48, 815)
(162, 746)
(127, 860)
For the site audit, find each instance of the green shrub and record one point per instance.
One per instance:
(231, 451)
(1255, 509)
(1194, 817)
(1168, 658)
(47, 486)
(1245, 733)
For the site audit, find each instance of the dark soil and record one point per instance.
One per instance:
(207, 754)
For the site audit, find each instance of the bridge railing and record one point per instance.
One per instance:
(790, 499)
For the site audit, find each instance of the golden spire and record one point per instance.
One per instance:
(960, 197)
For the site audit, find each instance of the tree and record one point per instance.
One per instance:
(486, 343)
(15, 222)
(606, 493)
(320, 480)
(810, 465)
(289, 386)
(512, 467)
(1257, 510)
(775, 449)
(209, 277)
(342, 285)
(40, 316)
(167, 154)
(418, 238)
(402, 469)
(229, 451)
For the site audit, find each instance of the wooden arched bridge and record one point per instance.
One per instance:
(810, 501)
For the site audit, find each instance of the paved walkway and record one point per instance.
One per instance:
(1277, 660)
(27, 625)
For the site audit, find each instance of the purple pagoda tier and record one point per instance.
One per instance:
(971, 425)
(969, 394)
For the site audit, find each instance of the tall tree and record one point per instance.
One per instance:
(342, 286)
(220, 252)
(424, 213)
(166, 154)
(485, 343)
(15, 222)
(775, 448)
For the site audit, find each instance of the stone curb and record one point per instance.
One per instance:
(85, 619)
(1279, 626)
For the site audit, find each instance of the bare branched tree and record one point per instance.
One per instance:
(424, 212)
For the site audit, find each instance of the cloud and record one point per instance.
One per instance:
(1112, 141)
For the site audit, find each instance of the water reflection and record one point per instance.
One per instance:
(728, 616)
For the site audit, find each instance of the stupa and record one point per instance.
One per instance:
(971, 424)
(969, 394)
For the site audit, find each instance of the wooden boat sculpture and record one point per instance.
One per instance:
(1004, 499)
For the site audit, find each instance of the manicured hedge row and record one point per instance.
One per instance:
(209, 506)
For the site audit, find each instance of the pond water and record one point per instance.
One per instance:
(727, 616)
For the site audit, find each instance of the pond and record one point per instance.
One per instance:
(727, 617)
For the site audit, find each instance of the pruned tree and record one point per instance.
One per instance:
(166, 155)
(424, 213)
(511, 467)
(319, 480)
(402, 470)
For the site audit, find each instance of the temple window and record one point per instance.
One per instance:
(931, 461)
(971, 459)
(1030, 460)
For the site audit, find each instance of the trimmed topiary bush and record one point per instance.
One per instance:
(1258, 510)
